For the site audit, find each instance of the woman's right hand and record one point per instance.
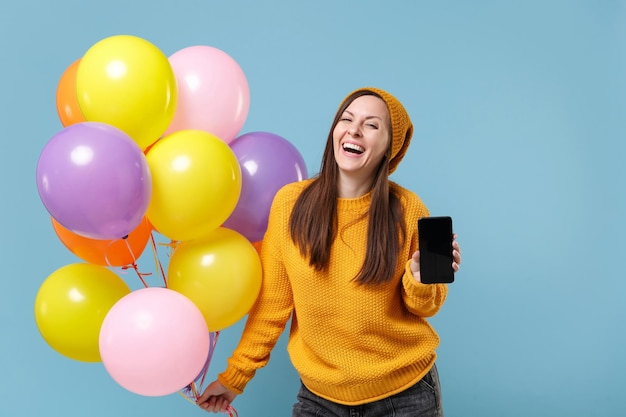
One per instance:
(216, 398)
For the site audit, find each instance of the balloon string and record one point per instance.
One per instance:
(157, 262)
(139, 274)
(134, 264)
(212, 343)
(171, 246)
(106, 253)
(192, 390)
(130, 250)
(186, 397)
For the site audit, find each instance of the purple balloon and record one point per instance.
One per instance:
(94, 180)
(267, 162)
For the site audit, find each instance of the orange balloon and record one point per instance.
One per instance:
(116, 252)
(67, 101)
(258, 245)
(145, 151)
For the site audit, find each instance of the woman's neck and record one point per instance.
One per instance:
(353, 186)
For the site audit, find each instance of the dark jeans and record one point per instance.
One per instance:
(422, 399)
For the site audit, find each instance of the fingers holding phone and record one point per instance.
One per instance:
(456, 254)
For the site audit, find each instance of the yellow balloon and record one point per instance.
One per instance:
(127, 82)
(71, 305)
(220, 273)
(196, 183)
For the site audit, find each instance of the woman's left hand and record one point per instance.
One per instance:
(456, 259)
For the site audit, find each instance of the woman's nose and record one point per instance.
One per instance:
(353, 131)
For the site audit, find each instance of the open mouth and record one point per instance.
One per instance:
(353, 148)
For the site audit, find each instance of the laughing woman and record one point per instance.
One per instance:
(340, 258)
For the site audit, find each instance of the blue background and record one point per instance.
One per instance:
(519, 120)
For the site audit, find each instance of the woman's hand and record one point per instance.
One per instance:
(216, 398)
(456, 254)
(456, 259)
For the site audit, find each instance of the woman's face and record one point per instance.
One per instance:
(361, 137)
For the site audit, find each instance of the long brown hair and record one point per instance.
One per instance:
(313, 222)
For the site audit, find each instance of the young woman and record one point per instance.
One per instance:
(340, 258)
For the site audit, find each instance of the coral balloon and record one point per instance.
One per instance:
(71, 305)
(196, 184)
(116, 252)
(127, 82)
(68, 108)
(258, 246)
(268, 161)
(213, 92)
(224, 289)
(154, 342)
(94, 180)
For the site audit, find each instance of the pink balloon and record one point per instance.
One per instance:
(154, 341)
(213, 92)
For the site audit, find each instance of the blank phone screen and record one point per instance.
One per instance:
(435, 245)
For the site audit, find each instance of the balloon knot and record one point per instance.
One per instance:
(171, 245)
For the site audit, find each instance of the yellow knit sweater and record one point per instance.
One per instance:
(350, 343)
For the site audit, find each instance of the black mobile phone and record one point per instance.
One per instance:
(435, 246)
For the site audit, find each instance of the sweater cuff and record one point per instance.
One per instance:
(233, 380)
(413, 287)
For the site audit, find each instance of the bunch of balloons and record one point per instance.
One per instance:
(149, 147)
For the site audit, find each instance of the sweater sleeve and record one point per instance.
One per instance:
(423, 300)
(269, 315)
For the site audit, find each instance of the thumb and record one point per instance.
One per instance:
(415, 265)
(415, 259)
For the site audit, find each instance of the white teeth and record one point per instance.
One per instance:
(353, 147)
